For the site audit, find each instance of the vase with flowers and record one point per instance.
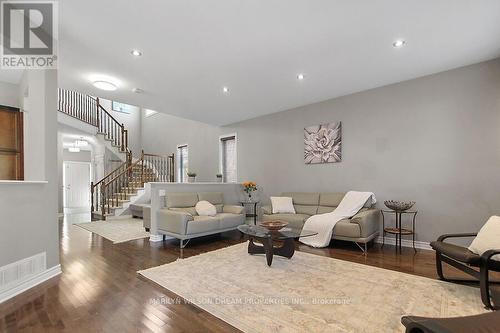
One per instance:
(249, 188)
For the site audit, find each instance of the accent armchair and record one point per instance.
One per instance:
(463, 259)
(483, 323)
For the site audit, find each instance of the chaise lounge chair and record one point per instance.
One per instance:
(463, 259)
(483, 323)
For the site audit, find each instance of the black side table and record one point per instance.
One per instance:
(399, 231)
(254, 212)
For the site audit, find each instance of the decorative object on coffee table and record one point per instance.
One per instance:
(191, 177)
(273, 225)
(399, 231)
(254, 212)
(323, 143)
(399, 206)
(249, 188)
(284, 238)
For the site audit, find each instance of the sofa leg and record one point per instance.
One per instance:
(182, 244)
(363, 248)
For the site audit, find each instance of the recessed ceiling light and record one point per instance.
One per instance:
(74, 149)
(138, 90)
(300, 76)
(399, 43)
(225, 90)
(104, 85)
(136, 53)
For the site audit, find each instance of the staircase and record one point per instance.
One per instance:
(112, 195)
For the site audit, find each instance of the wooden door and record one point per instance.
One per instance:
(11, 144)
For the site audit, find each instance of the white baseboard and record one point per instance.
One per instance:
(30, 283)
(404, 243)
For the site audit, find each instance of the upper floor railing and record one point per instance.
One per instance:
(88, 109)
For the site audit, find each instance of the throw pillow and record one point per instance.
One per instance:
(488, 238)
(205, 208)
(282, 205)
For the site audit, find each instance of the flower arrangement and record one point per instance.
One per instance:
(191, 174)
(249, 187)
(219, 175)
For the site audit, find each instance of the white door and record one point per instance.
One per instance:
(76, 183)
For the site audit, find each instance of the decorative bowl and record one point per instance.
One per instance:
(274, 225)
(399, 206)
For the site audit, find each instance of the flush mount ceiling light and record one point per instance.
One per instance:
(136, 53)
(104, 85)
(300, 76)
(399, 43)
(81, 143)
(225, 90)
(74, 149)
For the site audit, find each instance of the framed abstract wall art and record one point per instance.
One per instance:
(323, 143)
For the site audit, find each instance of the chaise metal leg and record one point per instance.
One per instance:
(439, 266)
(485, 287)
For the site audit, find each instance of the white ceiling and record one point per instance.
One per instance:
(192, 48)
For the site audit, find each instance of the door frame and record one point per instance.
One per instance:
(67, 209)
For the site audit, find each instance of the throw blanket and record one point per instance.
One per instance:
(323, 224)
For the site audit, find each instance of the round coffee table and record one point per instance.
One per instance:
(269, 238)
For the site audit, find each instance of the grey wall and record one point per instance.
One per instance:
(29, 211)
(81, 156)
(161, 134)
(435, 140)
(9, 94)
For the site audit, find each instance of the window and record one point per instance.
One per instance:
(228, 158)
(182, 163)
(149, 113)
(121, 107)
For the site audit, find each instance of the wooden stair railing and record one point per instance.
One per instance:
(115, 189)
(95, 193)
(88, 109)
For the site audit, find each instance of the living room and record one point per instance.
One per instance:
(362, 132)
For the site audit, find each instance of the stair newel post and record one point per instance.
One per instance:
(123, 137)
(142, 167)
(103, 198)
(115, 193)
(91, 197)
(172, 168)
(126, 138)
(97, 113)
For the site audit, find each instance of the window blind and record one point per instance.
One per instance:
(229, 159)
(182, 164)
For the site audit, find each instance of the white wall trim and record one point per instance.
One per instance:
(30, 283)
(404, 243)
(22, 182)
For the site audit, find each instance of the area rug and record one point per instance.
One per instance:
(308, 293)
(117, 230)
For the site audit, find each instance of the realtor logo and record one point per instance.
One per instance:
(29, 34)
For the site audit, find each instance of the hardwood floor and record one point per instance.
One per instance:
(100, 291)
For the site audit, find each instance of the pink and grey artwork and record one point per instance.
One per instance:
(323, 143)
